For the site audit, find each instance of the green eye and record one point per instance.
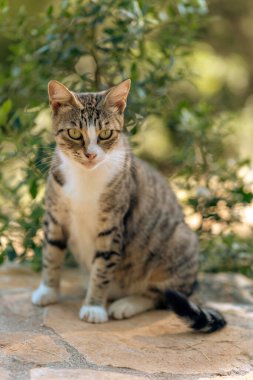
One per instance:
(105, 134)
(74, 133)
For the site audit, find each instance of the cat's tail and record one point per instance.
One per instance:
(201, 319)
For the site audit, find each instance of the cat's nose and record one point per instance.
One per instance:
(91, 156)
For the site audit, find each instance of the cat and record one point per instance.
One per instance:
(117, 215)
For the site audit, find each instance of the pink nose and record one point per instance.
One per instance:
(90, 156)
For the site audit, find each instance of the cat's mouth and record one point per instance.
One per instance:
(91, 164)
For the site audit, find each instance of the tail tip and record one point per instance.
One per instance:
(214, 321)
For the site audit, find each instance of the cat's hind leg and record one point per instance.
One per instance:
(129, 306)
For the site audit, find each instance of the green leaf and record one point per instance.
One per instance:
(33, 188)
(4, 111)
(134, 72)
(10, 252)
(50, 10)
(2, 258)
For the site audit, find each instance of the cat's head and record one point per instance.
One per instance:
(88, 126)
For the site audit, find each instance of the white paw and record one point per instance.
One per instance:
(129, 306)
(122, 309)
(44, 295)
(93, 314)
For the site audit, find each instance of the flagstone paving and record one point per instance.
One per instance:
(52, 343)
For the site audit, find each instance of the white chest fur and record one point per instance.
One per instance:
(83, 188)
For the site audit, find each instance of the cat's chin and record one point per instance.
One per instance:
(91, 165)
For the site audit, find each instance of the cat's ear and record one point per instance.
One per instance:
(116, 96)
(59, 95)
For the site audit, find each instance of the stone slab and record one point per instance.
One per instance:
(79, 374)
(4, 374)
(16, 277)
(157, 344)
(248, 376)
(39, 349)
(19, 303)
(153, 342)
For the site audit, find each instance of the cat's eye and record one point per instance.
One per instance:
(74, 133)
(105, 134)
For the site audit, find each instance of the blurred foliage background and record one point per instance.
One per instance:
(189, 113)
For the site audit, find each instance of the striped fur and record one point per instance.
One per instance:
(118, 216)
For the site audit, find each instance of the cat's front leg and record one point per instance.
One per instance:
(106, 259)
(54, 250)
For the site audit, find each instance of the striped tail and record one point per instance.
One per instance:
(201, 319)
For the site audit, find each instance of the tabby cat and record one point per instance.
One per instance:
(117, 215)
